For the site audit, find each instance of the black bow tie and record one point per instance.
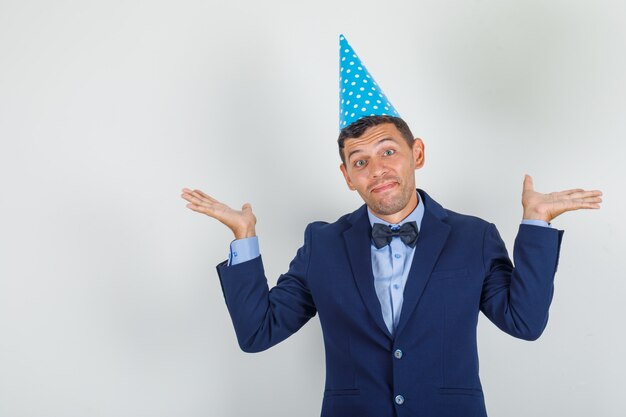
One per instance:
(382, 234)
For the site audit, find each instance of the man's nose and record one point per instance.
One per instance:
(377, 167)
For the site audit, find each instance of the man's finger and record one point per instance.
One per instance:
(189, 197)
(591, 200)
(210, 209)
(246, 207)
(199, 209)
(189, 193)
(195, 200)
(196, 194)
(211, 206)
(206, 195)
(572, 191)
(581, 203)
(585, 205)
(528, 183)
(584, 194)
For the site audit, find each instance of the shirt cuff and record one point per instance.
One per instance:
(541, 223)
(242, 250)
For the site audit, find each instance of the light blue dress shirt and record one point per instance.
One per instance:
(390, 264)
(242, 250)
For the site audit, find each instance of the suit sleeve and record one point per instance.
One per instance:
(517, 298)
(263, 317)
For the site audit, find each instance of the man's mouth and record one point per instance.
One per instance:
(384, 187)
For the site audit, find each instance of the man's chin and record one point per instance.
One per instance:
(386, 208)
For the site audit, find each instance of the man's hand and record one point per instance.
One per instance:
(241, 222)
(546, 207)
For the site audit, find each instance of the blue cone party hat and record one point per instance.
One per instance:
(359, 95)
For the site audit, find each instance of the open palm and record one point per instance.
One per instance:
(241, 222)
(538, 206)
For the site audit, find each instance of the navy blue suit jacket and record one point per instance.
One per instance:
(460, 267)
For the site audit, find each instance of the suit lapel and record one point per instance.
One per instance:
(431, 241)
(358, 242)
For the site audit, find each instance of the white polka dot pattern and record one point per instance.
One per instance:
(354, 79)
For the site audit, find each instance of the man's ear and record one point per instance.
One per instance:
(344, 171)
(418, 153)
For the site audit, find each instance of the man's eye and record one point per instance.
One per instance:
(359, 163)
(389, 152)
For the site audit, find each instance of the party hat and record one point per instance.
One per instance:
(359, 95)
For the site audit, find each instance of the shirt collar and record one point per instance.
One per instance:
(416, 215)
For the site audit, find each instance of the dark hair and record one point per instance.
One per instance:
(356, 129)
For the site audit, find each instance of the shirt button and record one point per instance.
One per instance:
(396, 286)
(397, 256)
(234, 253)
(398, 354)
(399, 399)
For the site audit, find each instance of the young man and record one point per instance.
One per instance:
(398, 284)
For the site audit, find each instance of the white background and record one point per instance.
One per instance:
(110, 304)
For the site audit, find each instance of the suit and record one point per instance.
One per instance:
(429, 366)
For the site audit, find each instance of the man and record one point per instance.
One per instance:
(398, 283)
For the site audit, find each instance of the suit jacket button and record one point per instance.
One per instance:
(399, 399)
(398, 354)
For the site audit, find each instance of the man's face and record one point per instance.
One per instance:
(381, 166)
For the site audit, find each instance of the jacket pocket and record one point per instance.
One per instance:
(449, 273)
(461, 391)
(341, 392)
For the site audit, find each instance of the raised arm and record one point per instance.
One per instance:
(517, 298)
(262, 317)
